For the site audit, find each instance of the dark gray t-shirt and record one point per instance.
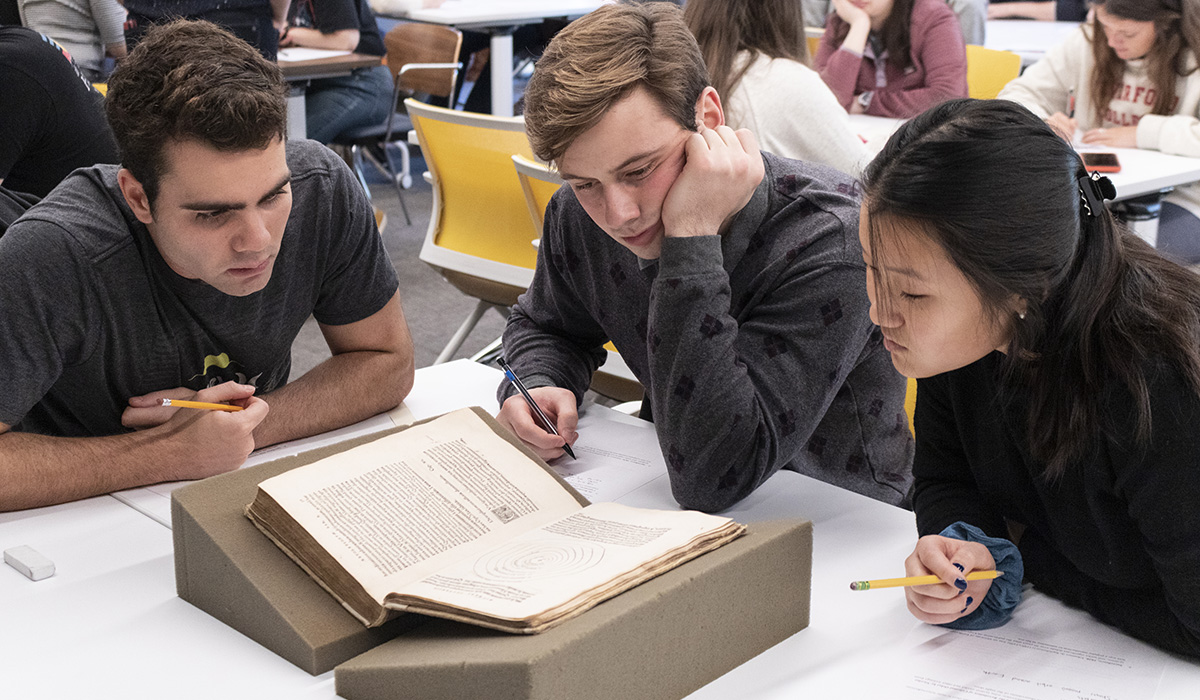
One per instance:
(91, 314)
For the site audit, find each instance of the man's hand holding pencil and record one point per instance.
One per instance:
(199, 443)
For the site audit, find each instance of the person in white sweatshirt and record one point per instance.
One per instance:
(757, 59)
(1141, 54)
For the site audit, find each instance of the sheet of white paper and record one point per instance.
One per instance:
(297, 53)
(437, 390)
(616, 455)
(1046, 652)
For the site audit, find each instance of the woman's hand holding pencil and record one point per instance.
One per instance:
(964, 569)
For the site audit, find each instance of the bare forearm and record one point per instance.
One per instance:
(37, 470)
(1035, 10)
(341, 40)
(279, 10)
(344, 389)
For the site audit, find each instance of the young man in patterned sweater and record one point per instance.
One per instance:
(729, 280)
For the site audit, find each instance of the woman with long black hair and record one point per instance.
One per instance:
(1058, 359)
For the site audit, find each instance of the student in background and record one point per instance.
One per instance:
(729, 280)
(1045, 10)
(757, 58)
(363, 98)
(257, 22)
(892, 58)
(1058, 359)
(51, 118)
(187, 273)
(972, 16)
(1144, 54)
(88, 30)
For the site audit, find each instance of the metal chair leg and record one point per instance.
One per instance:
(389, 172)
(461, 334)
(356, 162)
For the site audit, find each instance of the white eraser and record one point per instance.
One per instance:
(30, 562)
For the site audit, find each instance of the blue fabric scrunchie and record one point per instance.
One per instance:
(1002, 598)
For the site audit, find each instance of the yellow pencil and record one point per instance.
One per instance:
(918, 580)
(180, 403)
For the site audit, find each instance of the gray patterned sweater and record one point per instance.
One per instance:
(755, 347)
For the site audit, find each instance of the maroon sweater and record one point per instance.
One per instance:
(938, 73)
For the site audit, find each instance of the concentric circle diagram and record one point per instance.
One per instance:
(521, 561)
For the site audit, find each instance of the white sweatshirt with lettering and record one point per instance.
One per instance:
(1045, 87)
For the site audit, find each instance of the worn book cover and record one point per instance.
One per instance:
(449, 518)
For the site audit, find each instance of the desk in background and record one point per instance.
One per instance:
(299, 73)
(1027, 38)
(1143, 172)
(108, 624)
(498, 18)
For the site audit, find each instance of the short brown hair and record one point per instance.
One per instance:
(192, 80)
(598, 59)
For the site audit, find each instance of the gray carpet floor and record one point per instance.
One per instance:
(433, 307)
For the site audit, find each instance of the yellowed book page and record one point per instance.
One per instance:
(546, 567)
(401, 507)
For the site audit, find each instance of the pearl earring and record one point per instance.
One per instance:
(1021, 315)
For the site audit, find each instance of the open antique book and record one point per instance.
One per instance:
(454, 518)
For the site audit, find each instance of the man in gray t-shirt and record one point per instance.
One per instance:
(186, 273)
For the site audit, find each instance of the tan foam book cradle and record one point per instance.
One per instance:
(665, 637)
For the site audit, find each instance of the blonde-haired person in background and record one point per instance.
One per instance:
(730, 280)
(1142, 53)
(757, 58)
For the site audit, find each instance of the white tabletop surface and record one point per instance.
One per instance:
(1142, 171)
(482, 13)
(1028, 38)
(108, 624)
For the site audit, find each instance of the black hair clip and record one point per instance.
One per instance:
(1093, 190)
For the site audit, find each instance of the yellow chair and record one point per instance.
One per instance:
(989, 70)
(479, 235)
(813, 37)
(101, 88)
(614, 379)
(910, 403)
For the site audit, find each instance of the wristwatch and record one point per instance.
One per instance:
(864, 99)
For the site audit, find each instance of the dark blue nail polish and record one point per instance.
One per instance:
(969, 601)
(960, 584)
(959, 567)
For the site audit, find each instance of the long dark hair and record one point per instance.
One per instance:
(998, 190)
(724, 28)
(895, 33)
(1176, 37)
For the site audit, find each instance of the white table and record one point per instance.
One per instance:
(109, 625)
(1143, 172)
(497, 18)
(299, 73)
(1029, 39)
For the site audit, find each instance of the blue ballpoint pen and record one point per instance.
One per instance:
(537, 410)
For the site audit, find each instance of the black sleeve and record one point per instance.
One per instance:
(334, 15)
(945, 490)
(22, 111)
(12, 206)
(1160, 487)
(1070, 10)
